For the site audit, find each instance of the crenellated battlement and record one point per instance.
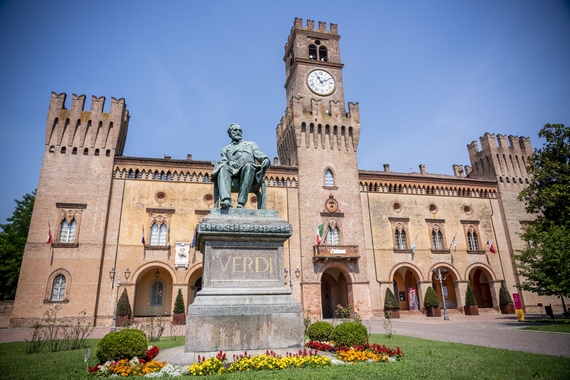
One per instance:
(93, 132)
(502, 158)
(298, 24)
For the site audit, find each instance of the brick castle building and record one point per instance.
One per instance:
(380, 229)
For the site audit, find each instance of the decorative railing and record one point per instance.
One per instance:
(335, 252)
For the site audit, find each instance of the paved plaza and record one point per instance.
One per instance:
(489, 330)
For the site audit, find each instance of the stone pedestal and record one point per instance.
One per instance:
(243, 304)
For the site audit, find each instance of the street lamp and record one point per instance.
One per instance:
(112, 276)
(441, 275)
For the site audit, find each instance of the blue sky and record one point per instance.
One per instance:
(430, 76)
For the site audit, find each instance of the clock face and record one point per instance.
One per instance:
(321, 82)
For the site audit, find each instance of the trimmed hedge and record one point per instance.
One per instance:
(124, 344)
(470, 297)
(504, 295)
(349, 334)
(431, 299)
(179, 303)
(124, 306)
(320, 331)
(390, 301)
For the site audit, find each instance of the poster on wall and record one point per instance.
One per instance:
(412, 299)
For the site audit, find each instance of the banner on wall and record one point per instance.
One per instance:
(413, 299)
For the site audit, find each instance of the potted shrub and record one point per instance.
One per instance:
(505, 300)
(124, 311)
(391, 304)
(431, 303)
(178, 316)
(470, 307)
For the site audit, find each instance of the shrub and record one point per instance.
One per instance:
(390, 301)
(431, 299)
(179, 303)
(504, 295)
(470, 297)
(350, 334)
(320, 331)
(124, 344)
(124, 306)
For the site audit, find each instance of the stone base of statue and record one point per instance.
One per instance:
(243, 304)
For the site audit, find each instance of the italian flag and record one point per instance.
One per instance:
(320, 233)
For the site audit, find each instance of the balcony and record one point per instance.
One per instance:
(335, 252)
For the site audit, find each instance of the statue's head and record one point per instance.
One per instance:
(234, 131)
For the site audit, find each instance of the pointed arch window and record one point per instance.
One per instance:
(437, 239)
(329, 178)
(400, 236)
(158, 234)
(332, 236)
(157, 293)
(58, 288)
(312, 52)
(473, 241)
(67, 231)
(323, 54)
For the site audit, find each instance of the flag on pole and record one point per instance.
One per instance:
(326, 234)
(168, 237)
(142, 240)
(491, 247)
(454, 244)
(414, 245)
(48, 241)
(320, 233)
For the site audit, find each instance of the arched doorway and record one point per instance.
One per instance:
(448, 287)
(405, 288)
(334, 291)
(479, 281)
(153, 293)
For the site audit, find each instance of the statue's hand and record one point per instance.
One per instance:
(234, 164)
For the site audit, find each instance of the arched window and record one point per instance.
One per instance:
(67, 231)
(323, 57)
(156, 293)
(437, 239)
(401, 242)
(332, 236)
(158, 234)
(58, 288)
(329, 178)
(472, 240)
(313, 52)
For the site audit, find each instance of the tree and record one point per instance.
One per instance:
(124, 306)
(390, 301)
(12, 243)
(545, 262)
(470, 297)
(179, 303)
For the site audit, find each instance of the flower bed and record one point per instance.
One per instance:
(372, 352)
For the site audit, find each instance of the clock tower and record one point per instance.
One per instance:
(319, 135)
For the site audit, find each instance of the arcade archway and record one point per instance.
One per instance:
(405, 288)
(449, 292)
(153, 293)
(334, 291)
(479, 279)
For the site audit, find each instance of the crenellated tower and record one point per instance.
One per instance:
(319, 134)
(503, 159)
(73, 201)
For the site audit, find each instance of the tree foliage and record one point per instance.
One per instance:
(390, 301)
(504, 295)
(179, 303)
(124, 306)
(431, 299)
(545, 262)
(12, 243)
(470, 297)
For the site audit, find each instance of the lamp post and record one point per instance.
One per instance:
(112, 276)
(441, 275)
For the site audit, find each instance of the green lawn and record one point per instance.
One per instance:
(559, 325)
(425, 359)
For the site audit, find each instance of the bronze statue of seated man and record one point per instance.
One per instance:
(242, 169)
